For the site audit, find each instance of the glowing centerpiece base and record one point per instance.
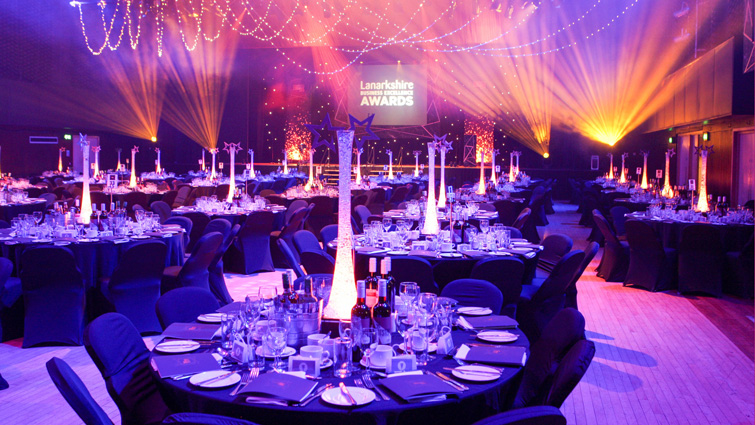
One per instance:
(610, 167)
(132, 181)
(431, 212)
(644, 184)
(416, 165)
(343, 295)
(311, 180)
(251, 163)
(60, 159)
(667, 191)
(358, 153)
(623, 176)
(390, 164)
(86, 201)
(481, 185)
(702, 200)
(158, 168)
(213, 151)
(493, 153)
(232, 148)
(444, 147)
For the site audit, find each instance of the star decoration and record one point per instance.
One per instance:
(707, 149)
(83, 141)
(231, 146)
(213, 150)
(442, 143)
(62, 149)
(389, 152)
(645, 153)
(625, 154)
(251, 152)
(358, 151)
(494, 151)
(671, 152)
(367, 122)
(319, 130)
(96, 148)
(417, 153)
(517, 153)
(135, 149)
(157, 150)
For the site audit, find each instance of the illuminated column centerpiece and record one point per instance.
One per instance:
(702, 199)
(644, 184)
(158, 169)
(343, 294)
(481, 184)
(251, 163)
(667, 191)
(444, 147)
(416, 166)
(214, 152)
(512, 176)
(390, 164)
(118, 166)
(311, 180)
(86, 202)
(60, 159)
(493, 153)
(610, 167)
(132, 181)
(358, 153)
(623, 176)
(96, 150)
(285, 162)
(232, 148)
(431, 212)
(517, 154)
(204, 166)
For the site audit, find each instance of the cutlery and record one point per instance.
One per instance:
(345, 391)
(474, 372)
(189, 375)
(358, 382)
(215, 379)
(459, 385)
(244, 380)
(371, 385)
(317, 394)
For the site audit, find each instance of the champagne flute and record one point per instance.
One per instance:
(484, 226)
(276, 342)
(387, 224)
(408, 291)
(38, 216)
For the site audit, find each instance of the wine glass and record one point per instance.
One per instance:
(139, 214)
(367, 339)
(267, 295)
(484, 226)
(387, 224)
(38, 216)
(275, 340)
(408, 291)
(426, 302)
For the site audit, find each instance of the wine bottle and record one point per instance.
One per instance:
(306, 301)
(361, 317)
(285, 299)
(381, 313)
(371, 283)
(724, 206)
(392, 285)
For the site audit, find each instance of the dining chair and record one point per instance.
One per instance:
(304, 240)
(298, 203)
(321, 215)
(376, 203)
(182, 195)
(414, 269)
(54, 297)
(216, 269)
(191, 418)
(615, 260)
(618, 215)
(701, 259)
(570, 371)
(10, 291)
(555, 246)
(184, 305)
(168, 197)
(291, 260)
(276, 200)
(134, 286)
(526, 225)
(199, 221)
(474, 293)
(162, 209)
(250, 251)
(534, 415)
(740, 271)
(317, 262)
(122, 358)
(195, 271)
(539, 304)
(329, 233)
(537, 206)
(287, 234)
(185, 224)
(651, 265)
(571, 291)
(363, 214)
(507, 211)
(398, 196)
(547, 354)
(506, 274)
(219, 225)
(76, 393)
(264, 193)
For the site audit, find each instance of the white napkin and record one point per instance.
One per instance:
(462, 352)
(411, 372)
(462, 322)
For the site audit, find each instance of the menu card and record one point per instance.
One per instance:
(508, 355)
(492, 322)
(190, 331)
(280, 386)
(183, 364)
(412, 387)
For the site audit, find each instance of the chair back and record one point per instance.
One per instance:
(570, 371)
(137, 198)
(618, 215)
(279, 185)
(98, 198)
(505, 273)
(169, 197)
(474, 293)
(604, 227)
(266, 192)
(414, 269)
(134, 286)
(329, 233)
(555, 246)
(217, 276)
(299, 203)
(54, 296)
(571, 290)
(521, 219)
(222, 191)
(195, 271)
(642, 236)
(701, 258)
(363, 213)
(118, 351)
(304, 240)
(182, 195)
(219, 225)
(276, 200)
(317, 262)
(399, 195)
(288, 254)
(560, 277)
(162, 209)
(558, 336)
(183, 305)
(251, 250)
(321, 215)
(185, 224)
(76, 393)
(199, 221)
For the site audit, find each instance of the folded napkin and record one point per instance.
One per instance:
(476, 253)
(423, 253)
(507, 355)
(528, 245)
(231, 308)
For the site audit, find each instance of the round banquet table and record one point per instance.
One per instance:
(94, 259)
(635, 206)
(240, 217)
(481, 400)
(9, 211)
(733, 236)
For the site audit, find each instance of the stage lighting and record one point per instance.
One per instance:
(706, 136)
(153, 138)
(496, 5)
(67, 137)
(546, 155)
(683, 11)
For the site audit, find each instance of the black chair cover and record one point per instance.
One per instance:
(216, 269)
(189, 418)
(250, 252)
(304, 240)
(219, 225)
(414, 269)
(651, 266)
(571, 292)
(618, 215)
(740, 272)
(537, 206)
(474, 293)
(615, 261)
(199, 221)
(555, 246)
(54, 298)
(185, 224)
(195, 272)
(322, 214)
(76, 393)
(570, 371)
(119, 353)
(506, 274)
(10, 292)
(183, 305)
(288, 254)
(701, 258)
(162, 209)
(299, 203)
(317, 262)
(134, 286)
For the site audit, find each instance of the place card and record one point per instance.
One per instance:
(308, 365)
(402, 363)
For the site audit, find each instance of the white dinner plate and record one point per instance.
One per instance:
(519, 240)
(497, 336)
(288, 351)
(501, 254)
(451, 255)
(398, 252)
(210, 317)
(474, 311)
(476, 373)
(177, 346)
(207, 379)
(140, 237)
(433, 347)
(61, 243)
(363, 362)
(334, 396)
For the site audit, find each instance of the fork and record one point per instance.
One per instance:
(244, 381)
(371, 385)
(253, 375)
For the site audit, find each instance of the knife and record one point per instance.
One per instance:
(458, 385)
(345, 391)
(316, 394)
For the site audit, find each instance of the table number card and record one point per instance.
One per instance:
(497, 168)
(658, 174)
(638, 171)
(308, 365)
(402, 363)
(319, 169)
(385, 168)
(445, 344)
(692, 184)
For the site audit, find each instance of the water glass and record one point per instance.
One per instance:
(275, 342)
(227, 330)
(408, 291)
(342, 357)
